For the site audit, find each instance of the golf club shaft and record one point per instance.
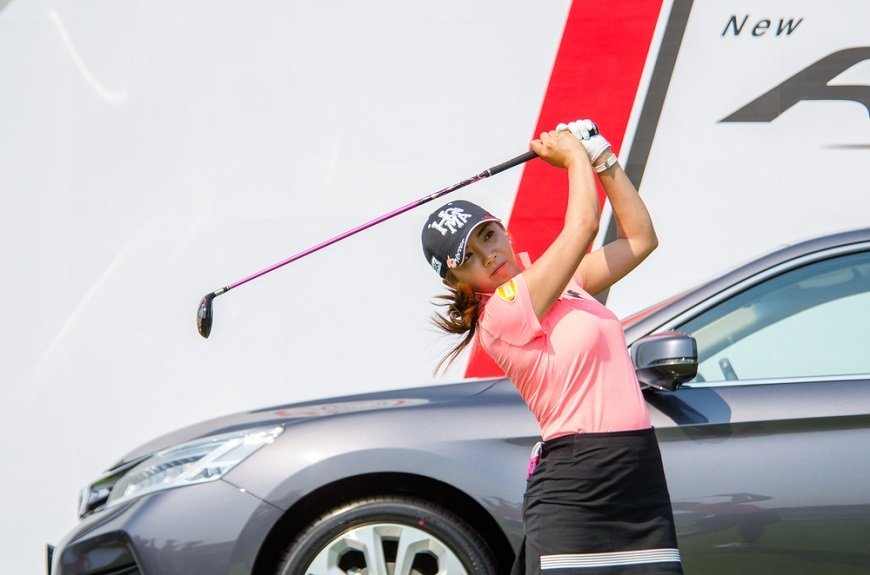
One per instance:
(485, 174)
(204, 313)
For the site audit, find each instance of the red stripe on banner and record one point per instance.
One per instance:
(596, 75)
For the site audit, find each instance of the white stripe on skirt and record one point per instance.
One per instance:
(579, 560)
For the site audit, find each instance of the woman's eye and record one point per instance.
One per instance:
(489, 234)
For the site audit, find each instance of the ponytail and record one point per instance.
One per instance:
(463, 309)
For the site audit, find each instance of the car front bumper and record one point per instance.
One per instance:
(206, 528)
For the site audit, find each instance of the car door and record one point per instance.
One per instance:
(767, 451)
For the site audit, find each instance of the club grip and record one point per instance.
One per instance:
(521, 159)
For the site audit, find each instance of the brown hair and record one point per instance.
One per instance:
(463, 309)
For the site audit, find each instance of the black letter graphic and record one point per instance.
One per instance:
(810, 83)
(733, 23)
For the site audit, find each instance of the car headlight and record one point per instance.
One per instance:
(190, 463)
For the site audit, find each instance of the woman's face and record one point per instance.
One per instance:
(489, 259)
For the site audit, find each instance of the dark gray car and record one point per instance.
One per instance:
(767, 452)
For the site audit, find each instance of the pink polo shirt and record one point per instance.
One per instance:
(572, 369)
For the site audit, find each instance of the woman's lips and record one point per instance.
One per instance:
(498, 268)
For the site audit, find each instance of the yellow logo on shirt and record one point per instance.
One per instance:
(507, 291)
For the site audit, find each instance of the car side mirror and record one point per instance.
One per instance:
(665, 360)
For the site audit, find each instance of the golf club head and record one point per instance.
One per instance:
(204, 315)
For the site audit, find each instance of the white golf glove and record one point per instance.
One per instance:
(596, 146)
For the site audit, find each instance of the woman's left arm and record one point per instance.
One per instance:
(635, 235)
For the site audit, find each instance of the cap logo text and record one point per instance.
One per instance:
(452, 220)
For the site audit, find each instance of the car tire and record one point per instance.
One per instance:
(388, 535)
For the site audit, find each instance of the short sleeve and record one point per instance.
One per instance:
(509, 316)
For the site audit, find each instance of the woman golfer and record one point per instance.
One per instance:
(596, 501)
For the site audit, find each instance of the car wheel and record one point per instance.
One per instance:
(388, 536)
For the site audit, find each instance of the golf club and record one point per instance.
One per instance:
(205, 312)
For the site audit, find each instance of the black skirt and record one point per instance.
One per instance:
(598, 504)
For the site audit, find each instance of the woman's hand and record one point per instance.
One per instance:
(559, 149)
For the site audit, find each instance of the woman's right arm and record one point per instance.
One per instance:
(548, 276)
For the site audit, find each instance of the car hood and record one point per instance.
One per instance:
(295, 413)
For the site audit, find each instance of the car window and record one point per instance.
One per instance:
(807, 322)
